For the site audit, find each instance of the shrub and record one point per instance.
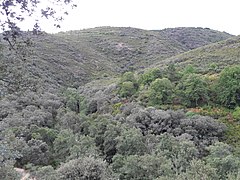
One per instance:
(228, 87)
(130, 142)
(127, 89)
(46, 173)
(199, 170)
(221, 157)
(236, 113)
(82, 169)
(141, 167)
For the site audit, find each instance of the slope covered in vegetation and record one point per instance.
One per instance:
(66, 114)
(74, 58)
(193, 38)
(215, 56)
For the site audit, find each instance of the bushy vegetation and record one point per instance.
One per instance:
(164, 124)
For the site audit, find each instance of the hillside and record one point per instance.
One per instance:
(67, 113)
(76, 57)
(214, 56)
(193, 38)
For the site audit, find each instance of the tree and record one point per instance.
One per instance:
(74, 100)
(127, 89)
(149, 76)
(193, 90)
(160, 92)
(171, 73)
(131, 142)
(84, 147)
(82, 169)
(199, 170)
(8, 154)
(63, 144)
(143, 167)
(228, 87)
(221, 157)
(179, 151)
(128, 85)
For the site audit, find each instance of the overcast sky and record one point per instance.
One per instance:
(222, 15)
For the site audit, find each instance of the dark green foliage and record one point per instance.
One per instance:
(149, 76)
(35, 152)
(236, 113)
(171, 73)
(188, 70)
(113, 131)
(141, 167)
(62, 145)
(46, 173)
(179, 151)
(128, 85)
(127, 89)
(70, 120)
(201, 130)
(84, 147)
(160, 92)
(65, 136)
(221, 157)
(193, 90)
(74, 100)
(198, 170)
(47, 135)
(131, 142)
(228, 87)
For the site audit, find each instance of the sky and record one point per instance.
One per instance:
(222, 15)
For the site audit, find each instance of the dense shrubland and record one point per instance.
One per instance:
(121, 131)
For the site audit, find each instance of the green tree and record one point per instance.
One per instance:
(127, 89)
(8, 155)
(228, 87)
(171, 73)
(149, 76)
(221, 157)
(46, 173)
(236, 113)
(193, 90)
(84, 147)
(179, 151)
(62, 145)
(131, 142)
(141, 167)
(189, 69)
(199, 170)
(128, 76)
(83, 169)
(74, 100)
(128, 85)
(160, 92)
